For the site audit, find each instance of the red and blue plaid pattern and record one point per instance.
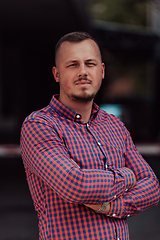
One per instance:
(69, 163)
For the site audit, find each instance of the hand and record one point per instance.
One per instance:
(96, 207)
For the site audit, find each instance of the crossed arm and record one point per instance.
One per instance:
(128, 190)
(144, 192)
(97, 207)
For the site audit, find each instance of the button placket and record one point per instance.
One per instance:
(100, 146)
(97, 140)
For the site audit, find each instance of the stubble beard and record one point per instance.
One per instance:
(85, 98)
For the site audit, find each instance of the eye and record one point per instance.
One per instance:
(90, 64)
(72, 65)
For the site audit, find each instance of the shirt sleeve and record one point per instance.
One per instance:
(145, 194)
(44, 153)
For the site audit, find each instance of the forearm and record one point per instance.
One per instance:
(103, 208)
(106, 206)
(144, 195)
(98, 186)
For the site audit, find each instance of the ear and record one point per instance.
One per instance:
(55, 73)
(103, 70)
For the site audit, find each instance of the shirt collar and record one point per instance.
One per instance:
(66, 112)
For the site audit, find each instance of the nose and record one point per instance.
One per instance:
(82, 71)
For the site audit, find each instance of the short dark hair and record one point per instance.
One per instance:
(74, 37)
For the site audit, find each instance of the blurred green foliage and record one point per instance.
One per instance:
(133, 12)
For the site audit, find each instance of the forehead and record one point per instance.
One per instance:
(84, 49)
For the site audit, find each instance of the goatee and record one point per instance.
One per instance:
(82, 99)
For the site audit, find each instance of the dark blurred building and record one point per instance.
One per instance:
(29, 31)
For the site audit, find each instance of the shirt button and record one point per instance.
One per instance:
(118, 238)
(106, 166)
(113, 215)
(99, 143)
(115, 196)
(126, 190)
(128, 215)
(78, 116)
(87, 124)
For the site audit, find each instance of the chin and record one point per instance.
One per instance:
(83, 98)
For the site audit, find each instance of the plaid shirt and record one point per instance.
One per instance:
(69, 163)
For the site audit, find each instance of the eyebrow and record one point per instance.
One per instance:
(91, 60)
(71, 61)
(88, 60)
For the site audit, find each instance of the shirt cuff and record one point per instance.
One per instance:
(116, 208)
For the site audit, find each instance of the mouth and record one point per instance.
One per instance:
(83, 82)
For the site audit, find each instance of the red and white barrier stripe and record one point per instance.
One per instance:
(149, 149)
(9, 150)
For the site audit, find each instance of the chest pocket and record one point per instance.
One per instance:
(115, 157)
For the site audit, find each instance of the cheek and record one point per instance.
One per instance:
(99, 84)
(66, 77)
(98, 79)
(65, 84)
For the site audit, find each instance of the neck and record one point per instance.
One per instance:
(84, 109)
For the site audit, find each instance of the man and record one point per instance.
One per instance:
(84, 173)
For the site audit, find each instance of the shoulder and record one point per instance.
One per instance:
(110, 118)
(44, 115)
(112, 122)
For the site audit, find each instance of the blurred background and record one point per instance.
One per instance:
(128, 32)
